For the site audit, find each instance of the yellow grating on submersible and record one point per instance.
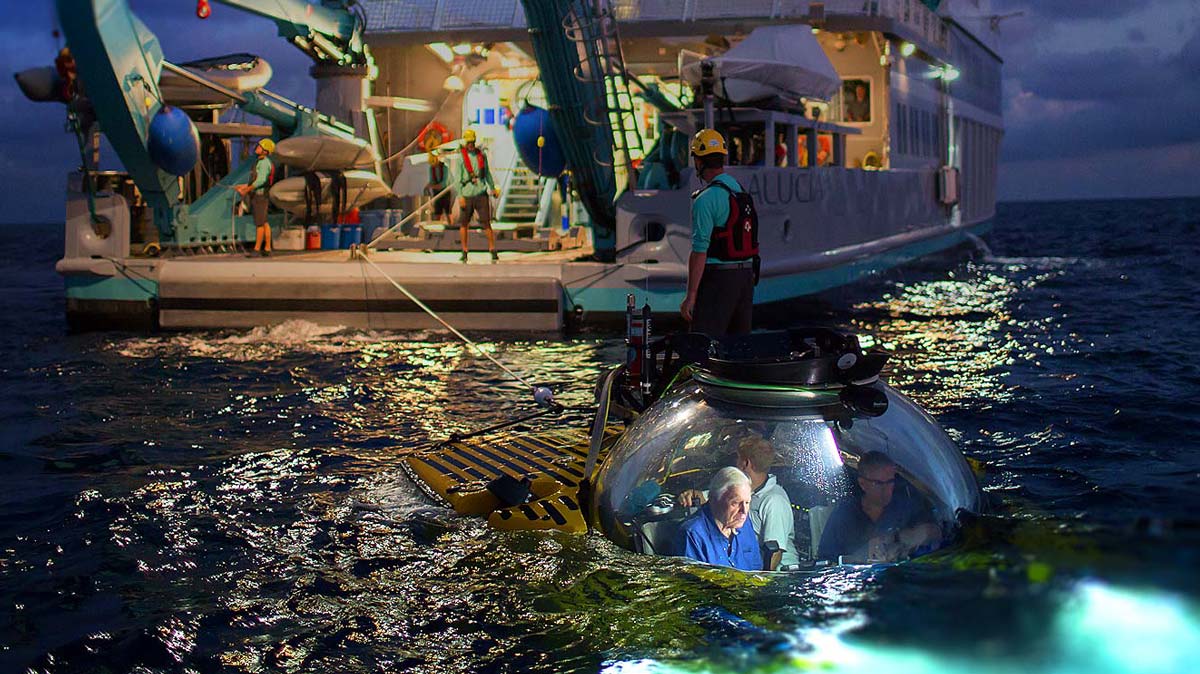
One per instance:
(458, 473)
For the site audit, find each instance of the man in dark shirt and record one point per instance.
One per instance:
(883, 523)
(858, 109)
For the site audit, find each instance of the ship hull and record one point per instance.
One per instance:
(537, 293)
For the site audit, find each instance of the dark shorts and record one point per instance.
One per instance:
(258, 207)
(442, 204)
(724, 302)
(481, 204)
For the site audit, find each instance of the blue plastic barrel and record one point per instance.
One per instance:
(331, 237)
(351, 235)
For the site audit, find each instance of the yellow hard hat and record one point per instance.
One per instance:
(468, 135)
(707, 141)
(267, 144)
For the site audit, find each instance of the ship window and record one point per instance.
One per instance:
(856, 100)
(930, 135)
(927, 128)
(921, 136)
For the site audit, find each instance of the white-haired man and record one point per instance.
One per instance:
(720, 533)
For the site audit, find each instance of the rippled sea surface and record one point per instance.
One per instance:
(232, 501)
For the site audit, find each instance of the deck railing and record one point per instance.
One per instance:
(415, 16)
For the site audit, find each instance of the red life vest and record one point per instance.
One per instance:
(471, 172)
(737, 239)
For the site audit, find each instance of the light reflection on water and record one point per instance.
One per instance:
(305, 548)
(233, 501)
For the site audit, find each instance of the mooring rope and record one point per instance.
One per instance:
(541, 394)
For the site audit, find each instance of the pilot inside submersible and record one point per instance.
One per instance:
(825, 474)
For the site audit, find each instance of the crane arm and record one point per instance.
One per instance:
(327, 32)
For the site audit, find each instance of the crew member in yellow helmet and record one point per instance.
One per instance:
(475, 186)
(722, 267)
(261, 177)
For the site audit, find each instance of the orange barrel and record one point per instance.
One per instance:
(312, 238)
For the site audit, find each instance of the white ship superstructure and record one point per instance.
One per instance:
(871, 139)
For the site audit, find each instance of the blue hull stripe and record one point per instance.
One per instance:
(111, 288)
(780, 288)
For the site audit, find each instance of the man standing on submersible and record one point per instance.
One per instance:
(721, 274)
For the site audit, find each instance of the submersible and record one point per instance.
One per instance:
(676, 412)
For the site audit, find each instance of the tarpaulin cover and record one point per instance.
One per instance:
(773, 60)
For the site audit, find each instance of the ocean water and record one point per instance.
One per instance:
(232, 501)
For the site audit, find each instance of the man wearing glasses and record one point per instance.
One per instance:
(883, 523)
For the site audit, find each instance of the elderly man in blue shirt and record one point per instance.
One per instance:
(770, 505)
(720, 532)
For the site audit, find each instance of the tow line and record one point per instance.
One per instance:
(542, 395)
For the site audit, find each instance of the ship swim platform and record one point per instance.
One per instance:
(521, 292)
(538, 292)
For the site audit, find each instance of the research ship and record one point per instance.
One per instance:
(867, 132)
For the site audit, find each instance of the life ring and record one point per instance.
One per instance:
(433, 130)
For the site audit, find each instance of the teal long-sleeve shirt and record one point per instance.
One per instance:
(260, 174)
(462, 179)
(711, 210)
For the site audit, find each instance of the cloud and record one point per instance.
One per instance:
(1104, 75)
(1081, 9)
(1165, 171)
(35, 151)
(1071, 104)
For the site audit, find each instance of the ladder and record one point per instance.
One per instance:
(522, 198)
(593, 28)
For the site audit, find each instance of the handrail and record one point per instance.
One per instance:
(401, 16)
(410, 216)
(544, 202)
(506, 182)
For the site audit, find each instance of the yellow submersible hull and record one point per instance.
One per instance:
(549, 464)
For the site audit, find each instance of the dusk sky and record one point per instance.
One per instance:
(1102, 98)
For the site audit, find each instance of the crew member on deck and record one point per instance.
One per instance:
(439, 178)
(260, 181)
(720, 281)
(475, 187)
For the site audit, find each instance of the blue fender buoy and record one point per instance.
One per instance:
(174, 143)
(531, 124)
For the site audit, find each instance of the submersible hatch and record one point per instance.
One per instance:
(677, 412)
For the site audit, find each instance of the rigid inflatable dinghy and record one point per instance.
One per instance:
(362, 187)
(41, 84)
(239, 72)
(325, 153)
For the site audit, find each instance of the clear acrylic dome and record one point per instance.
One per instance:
(818, 437)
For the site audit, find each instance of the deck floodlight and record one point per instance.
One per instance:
(442, 50)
